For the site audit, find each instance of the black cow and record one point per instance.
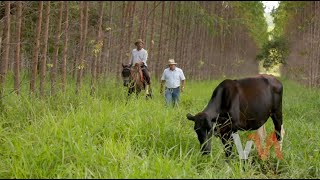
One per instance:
(243, 104)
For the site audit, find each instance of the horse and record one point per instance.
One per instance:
(133, 79)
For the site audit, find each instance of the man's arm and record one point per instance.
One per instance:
(183, 78)
(182, 85)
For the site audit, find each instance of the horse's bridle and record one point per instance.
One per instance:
(131, 82)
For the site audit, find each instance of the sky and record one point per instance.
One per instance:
(269, 5)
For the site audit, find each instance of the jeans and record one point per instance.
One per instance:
(172, 95)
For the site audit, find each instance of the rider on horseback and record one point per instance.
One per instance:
(140, 55)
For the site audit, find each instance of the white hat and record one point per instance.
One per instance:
(171, 61)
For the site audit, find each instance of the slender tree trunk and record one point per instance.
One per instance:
(309, 47)
(177, 30)
(171, 42)
(318, 44)
(77, 60)
(160, 41)
(183, 30)
(131, 27)
(36, 50)
(65, 48)
(142, 20)
(150, 51)
(107, 60)
(83, 48)
(5, 52)
(102, 42)
(44, 50)
(144, 35)
(98, 50)
(123, 25)
(166, 38)
(56, 51)
(18, 46)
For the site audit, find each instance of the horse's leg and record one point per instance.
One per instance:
(150, 92)
(128, 96)
(148, 95)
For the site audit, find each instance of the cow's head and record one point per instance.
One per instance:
(204, 127)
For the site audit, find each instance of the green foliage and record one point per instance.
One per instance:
(283, 14)
(200, 15)
(251, 14)
(274, 52)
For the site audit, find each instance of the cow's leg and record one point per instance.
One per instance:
(278, 126)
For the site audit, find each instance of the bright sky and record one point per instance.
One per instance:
(269, 5)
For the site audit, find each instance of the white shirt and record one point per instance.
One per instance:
(138, 56)
(173, 78)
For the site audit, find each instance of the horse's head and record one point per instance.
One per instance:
(125, 74)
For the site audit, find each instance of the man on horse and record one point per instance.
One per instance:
(140, 55)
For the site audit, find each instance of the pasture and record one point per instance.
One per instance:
(70, 136)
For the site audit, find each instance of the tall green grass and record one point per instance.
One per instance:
(110, 136)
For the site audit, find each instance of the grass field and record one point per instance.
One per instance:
(70, 136)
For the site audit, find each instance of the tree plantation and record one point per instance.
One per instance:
(65, 112)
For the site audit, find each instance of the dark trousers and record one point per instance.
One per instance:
(146, 75)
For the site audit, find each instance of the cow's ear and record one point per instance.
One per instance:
(122, 65)
(190, 117)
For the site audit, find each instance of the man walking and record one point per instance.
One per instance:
(175, 81)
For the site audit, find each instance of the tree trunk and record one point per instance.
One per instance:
(97, 50)
(170, 45)
(44, 50)
(18, 47)
(177, 34)
(166, 38)
(107, 59)
(56, 51)
(145, 26)
(142, 20)
(5, 52)
(150, 52)
(36, 51)
(65, 49)
(82, 61)
(318, 44)
(160, 42)
(123, 27)
(131, 27)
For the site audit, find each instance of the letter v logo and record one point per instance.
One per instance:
(242, 153)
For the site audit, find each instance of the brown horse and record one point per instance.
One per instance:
(133, 79)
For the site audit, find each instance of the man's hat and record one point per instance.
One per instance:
(171, 61)
(138, 41)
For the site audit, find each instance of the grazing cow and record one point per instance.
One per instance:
(243, 104)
